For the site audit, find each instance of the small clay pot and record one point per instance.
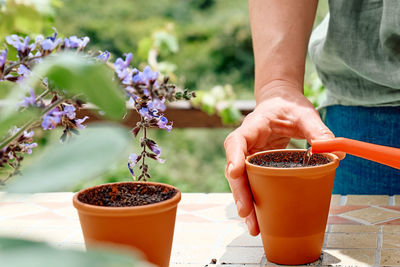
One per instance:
(148, 228)
(292, 204)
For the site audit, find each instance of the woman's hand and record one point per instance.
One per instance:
(282, 113)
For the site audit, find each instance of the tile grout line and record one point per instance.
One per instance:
(343, 200)
(263, 261)
(391, 201)
(379, 242)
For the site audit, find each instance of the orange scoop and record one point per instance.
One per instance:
(389, 156)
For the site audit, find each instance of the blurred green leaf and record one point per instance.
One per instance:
(165, 42)
(64, 165)
(78, 74)
(230, 115)
(144, 47)
(27, 19)
(23, 253)
(16, 119)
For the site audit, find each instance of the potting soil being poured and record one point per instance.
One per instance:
(292, 159)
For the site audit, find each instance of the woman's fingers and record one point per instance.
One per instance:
(252, 224)
(242, 195)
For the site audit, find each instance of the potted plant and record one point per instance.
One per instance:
(292, 192)
(137, 214)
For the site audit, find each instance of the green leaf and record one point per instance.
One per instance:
(23, 253)
(27, 19)
(144, 47)
(230, 115)
(77, 74)
(16, 119)
(64, 165)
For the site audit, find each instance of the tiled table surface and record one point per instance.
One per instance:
(361, 231)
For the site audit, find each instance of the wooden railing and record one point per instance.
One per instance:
(182, 114)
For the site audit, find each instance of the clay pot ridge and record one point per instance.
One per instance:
(124, 211)
(316, 170)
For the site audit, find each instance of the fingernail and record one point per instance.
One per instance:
(239, 206)
(229, 170)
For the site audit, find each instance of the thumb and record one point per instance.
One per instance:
(313, 128)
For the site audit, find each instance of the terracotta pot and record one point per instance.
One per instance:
(148, 228)
(292, 207)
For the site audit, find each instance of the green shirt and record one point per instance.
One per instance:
(356, 51)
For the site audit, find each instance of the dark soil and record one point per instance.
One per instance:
(288, 160)
(126, 195)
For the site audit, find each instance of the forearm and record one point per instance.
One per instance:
(280, 31)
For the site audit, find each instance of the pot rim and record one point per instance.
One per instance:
(126, 211)
(292, 171)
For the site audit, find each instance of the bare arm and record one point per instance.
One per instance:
(280, 30)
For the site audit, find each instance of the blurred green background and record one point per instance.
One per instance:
(199, 43)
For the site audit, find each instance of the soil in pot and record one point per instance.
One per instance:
(281, 159)
(127, 195)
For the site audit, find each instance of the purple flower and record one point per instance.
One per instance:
(145, 77)
(149, 75)
(23, 71)
(104, 56)
(156, 149)
(27, 148)
(163, 124)
(69, 111)
(145, 113)
(75, 42)
(51, 119)
(132, 161)
(3, 59)
(28, 100)
(49, 44)
(156, 104)
(21, 44)
(121, 67)
(79, 122)
(28, 134)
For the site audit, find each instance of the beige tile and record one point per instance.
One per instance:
(239, 255)
(17, 209)
(52, 197)
(193, 198)
(348, 257)
(18, 223)
(191, 254)
(391, 229)
(367, 200)
(46, 235)
(70, 212)
(335, 200)
(391, 241)
(238, 236)
(220, 213)
(198, 238)
(397, 200)
(340, 240)
(342, 228)
(390, 257)
(220, 198)
(373, 215)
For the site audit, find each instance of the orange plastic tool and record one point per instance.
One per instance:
(389, 156)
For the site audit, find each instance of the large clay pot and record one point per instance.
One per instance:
(148, 228)
(292, 207)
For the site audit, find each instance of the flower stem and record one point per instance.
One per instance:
(29, 124)
(143, 175)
